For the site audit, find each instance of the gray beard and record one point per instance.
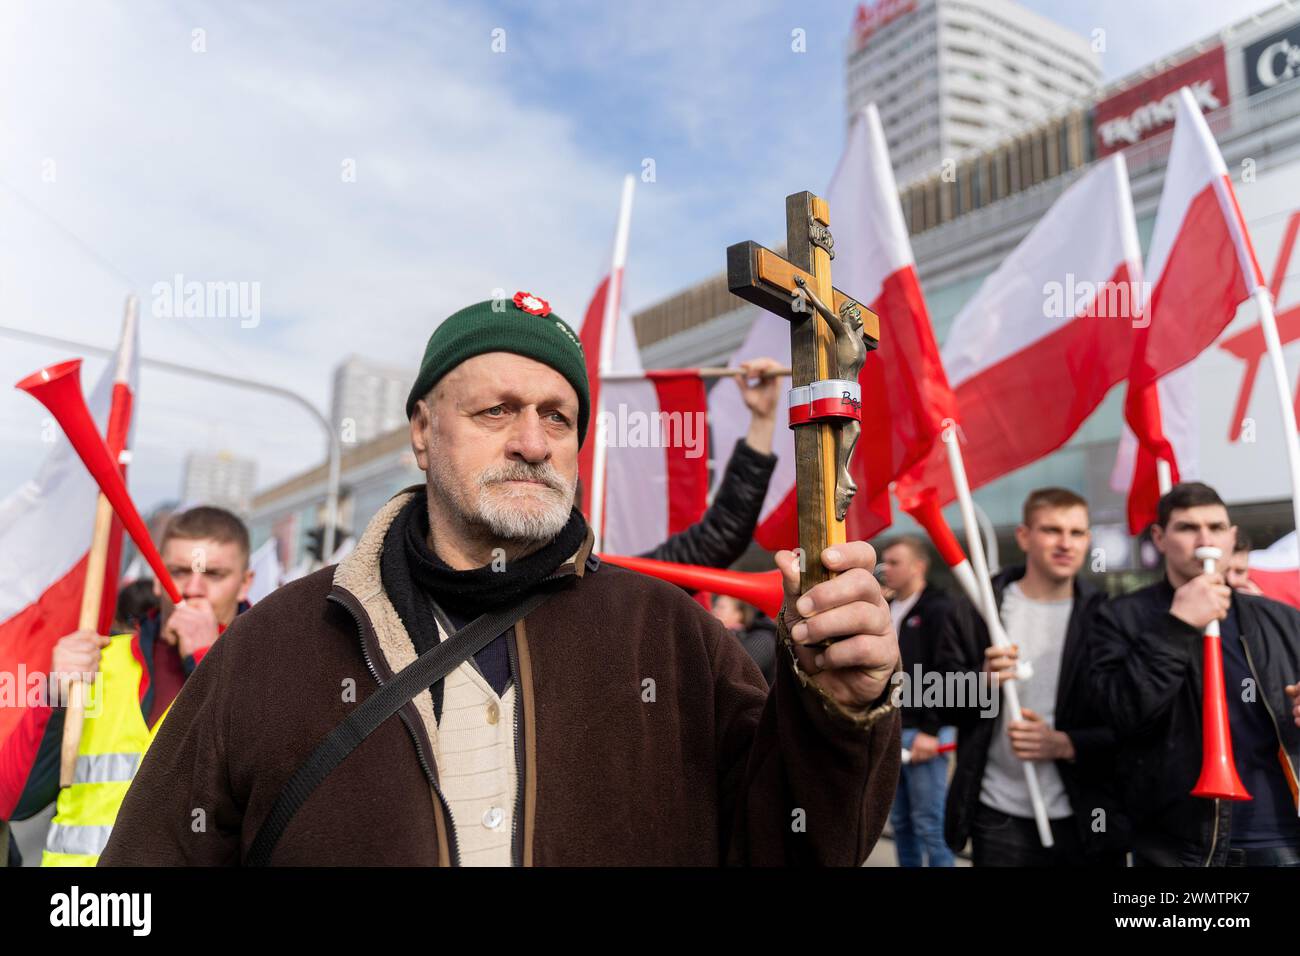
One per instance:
(494, 506)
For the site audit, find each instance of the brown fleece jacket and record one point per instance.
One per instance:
(713, 770)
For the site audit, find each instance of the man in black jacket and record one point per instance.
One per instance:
(1148, 678)
(754, 629)
(1045, 608)
(920, 613)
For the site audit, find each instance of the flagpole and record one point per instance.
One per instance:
(91, 593)
(117, 435)
(1164, 476)
(93, 585)
(613, 293)
(1281, 382)
(997, 634)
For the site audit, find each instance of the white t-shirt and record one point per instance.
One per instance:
(1038, 628)
(901, 607)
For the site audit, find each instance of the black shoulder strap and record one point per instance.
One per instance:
(426, 670)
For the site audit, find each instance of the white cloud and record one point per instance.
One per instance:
(226, 165)
(475, 171)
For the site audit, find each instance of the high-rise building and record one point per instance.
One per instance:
(369, 399)
(953, 76)
(220, 479)
(1246, 78)
(964, 221)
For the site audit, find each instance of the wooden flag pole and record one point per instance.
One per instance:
(710, 371)
(92, 593)
(707, 371)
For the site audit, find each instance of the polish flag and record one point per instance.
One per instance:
(654, 428)
(1174, 415)
(601, 337)
(903, 384)
(591, 334)
(644, 465)
(1047, 335)
(649, 432)
(1274, 570)
(117, 437)
(1201, 267)
(45, 533)
(778, 520)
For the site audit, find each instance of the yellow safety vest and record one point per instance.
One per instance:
(114, 739)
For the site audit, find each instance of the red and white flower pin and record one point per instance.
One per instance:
(532, 304)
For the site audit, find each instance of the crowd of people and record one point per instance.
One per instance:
(1112, 709)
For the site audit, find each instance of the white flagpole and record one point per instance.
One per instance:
(1164, 476)
(126, 347)
(1282, 386)
(608, 331)
(989, 607)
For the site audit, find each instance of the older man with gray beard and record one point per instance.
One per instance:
(608, 720)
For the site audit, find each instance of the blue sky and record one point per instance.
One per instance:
(475, 171)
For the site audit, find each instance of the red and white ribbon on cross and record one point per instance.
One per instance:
(829, 398)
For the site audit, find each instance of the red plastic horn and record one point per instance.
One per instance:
(1218, 778)
(762, 589)
(925, 510)
(58, 388)
(941, 749)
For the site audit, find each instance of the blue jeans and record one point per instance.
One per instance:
(917, 814)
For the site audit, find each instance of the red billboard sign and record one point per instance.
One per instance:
(1146, 108)
(870, 17)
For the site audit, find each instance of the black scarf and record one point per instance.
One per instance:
(415, 578)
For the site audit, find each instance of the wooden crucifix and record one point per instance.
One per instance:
(828, 344)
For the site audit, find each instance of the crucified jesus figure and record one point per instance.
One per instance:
(850, 354)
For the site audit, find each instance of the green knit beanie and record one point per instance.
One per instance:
(524, 326)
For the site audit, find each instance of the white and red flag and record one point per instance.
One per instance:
(1047, 335)
(1275, 570)
(644, 465)
(655, 432)
(601, 339)
(904, 385)
(45, 533)
(1200, 268)
(1173, 413)
(778, 521)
